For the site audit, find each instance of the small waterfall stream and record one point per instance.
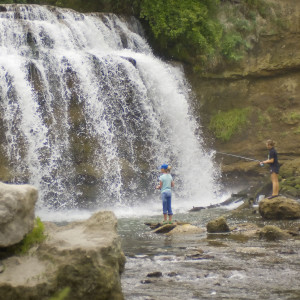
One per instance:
(89, 113)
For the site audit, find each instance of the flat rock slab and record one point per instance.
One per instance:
(165, 228)
(175, 228)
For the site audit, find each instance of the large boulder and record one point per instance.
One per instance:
(83, 258)
(17, 205)
(279, 208)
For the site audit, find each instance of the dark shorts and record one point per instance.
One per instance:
(274, 169)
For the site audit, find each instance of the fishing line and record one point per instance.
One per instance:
(243, 157)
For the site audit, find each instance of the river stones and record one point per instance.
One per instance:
(156, 274)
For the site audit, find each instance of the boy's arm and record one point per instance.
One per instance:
(159, 186)
(268, 161)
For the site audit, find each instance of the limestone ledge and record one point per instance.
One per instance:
(85, 257)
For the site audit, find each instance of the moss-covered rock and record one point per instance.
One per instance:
(217, 226)
(272, 233)
(279, 208)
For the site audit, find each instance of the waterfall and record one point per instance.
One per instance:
(88, 113)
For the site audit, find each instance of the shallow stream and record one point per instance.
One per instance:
(199, 266)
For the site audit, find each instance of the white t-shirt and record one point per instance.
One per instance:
(166, 180)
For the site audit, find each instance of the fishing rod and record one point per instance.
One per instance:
(243, 157)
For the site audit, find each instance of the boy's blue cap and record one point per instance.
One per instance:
(164, 166)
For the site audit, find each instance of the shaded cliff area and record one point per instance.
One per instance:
(243, 103)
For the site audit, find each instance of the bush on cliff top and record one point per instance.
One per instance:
(185, 30)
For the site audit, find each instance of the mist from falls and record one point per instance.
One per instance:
(88, 113)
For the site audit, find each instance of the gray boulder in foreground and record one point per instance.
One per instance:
(279, 208)
(84, 257)
(17, 205)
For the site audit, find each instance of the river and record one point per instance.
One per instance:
(201, 266)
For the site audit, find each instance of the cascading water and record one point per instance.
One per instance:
(89, 113)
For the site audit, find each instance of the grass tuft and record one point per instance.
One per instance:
(226, 124)
(36, 236)
(63, 294)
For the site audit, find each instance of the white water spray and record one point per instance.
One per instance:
(90, 114)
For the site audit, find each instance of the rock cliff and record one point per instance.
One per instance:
(264, 85)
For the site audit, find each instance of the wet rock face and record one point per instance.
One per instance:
(85, 257)
(17, 204)
(279, 208)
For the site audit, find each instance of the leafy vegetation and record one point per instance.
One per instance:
(232, 46)
(185, 30)
(226, 124)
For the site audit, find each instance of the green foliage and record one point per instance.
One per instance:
(243, 25)
(294, 116)
(63, 294)
(36, 236)
(290, 118)
(232, 46)
(183, 29)
(260, 5)
(226, 124)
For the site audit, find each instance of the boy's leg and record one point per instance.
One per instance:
(165, 206)
(170, 213)
(275, 183)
